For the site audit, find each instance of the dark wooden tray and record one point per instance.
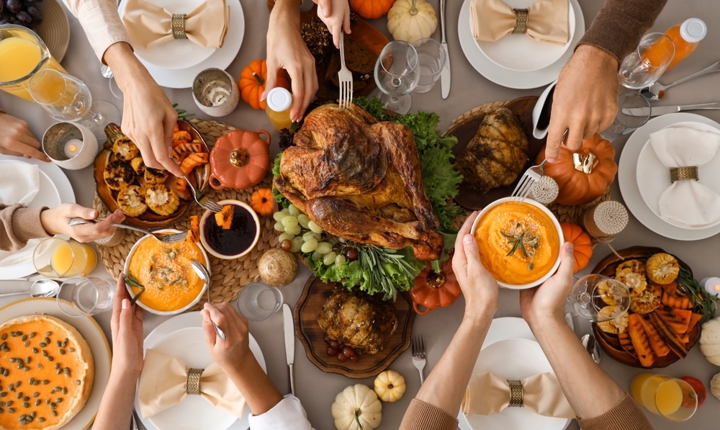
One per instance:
(306, 313)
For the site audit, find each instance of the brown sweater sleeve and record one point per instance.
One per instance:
(620, 25)
(18, 225)
(627, 415)
(424, 416)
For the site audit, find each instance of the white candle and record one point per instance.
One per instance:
(73, 147)
(711, 285)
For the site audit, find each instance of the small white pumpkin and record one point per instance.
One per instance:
(715, 386)
(710, 341)
(390, 386)
(410, 20)
(357, 408)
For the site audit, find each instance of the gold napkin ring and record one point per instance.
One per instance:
(684, 173)
(516, 394)
(177, 24)
(193, 381)
(521, 21)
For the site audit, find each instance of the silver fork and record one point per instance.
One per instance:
(162, 237)
(418, 355)
(201, 199)
(531, 177)
(345, 78)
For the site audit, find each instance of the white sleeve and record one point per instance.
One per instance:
(288, 414)
(100, 21)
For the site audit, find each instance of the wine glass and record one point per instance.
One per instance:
(624, 121)
(586, 298)
(648, 62)
(67, 98)
(397, 73)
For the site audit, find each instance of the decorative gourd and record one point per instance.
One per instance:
(262, 201)
(252, 83)
(357, 408)
(715, 386)
(710, 341)
(584, 174)
(371, 9)
(435, 290)
(389, 386)
(240, 159)
(582, 245)
(410, 20)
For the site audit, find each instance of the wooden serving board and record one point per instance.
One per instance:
(465, 128)
(306, 313)
(610, 342)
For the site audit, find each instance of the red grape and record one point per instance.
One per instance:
(334, 344)
(341, 357)
(348, 352)
(286, 245)
(355, 358)
(331, 351)
(327, 340)
(352, 254)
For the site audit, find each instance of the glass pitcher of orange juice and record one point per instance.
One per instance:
(22, 55)
(671, 398)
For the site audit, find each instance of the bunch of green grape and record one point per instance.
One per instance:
(300, 234)
(20, 12)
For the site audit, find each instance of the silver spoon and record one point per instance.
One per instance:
(39, 288)
(203, 273)
(589, 342)
(657, 90)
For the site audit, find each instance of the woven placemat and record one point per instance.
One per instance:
(228, 276)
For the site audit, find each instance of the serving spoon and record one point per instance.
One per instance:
(39, 288)
(203, 273)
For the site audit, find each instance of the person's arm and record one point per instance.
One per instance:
(101, 22)
(444, 388)
(336, 16)
(19, 224)
(17, 139)
(116, 405)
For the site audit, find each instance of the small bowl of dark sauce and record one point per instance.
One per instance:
(238, 240)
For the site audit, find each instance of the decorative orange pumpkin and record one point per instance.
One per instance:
(582, 246)
(584, 174)
(371, 9)
(435, 290)
(252, 83)
(240, 159)
(262, 201)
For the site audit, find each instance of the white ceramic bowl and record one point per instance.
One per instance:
(557, 227)
(155, 311)
(207, 214)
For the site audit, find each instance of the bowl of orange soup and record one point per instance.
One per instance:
(519, 243)
(164, 269)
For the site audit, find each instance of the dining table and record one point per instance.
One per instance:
(316, 389)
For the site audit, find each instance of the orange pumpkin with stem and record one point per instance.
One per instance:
(371, 9)
(262, 201)
(240, 159)
(252, 83)
(582, 245)
(435, 290)
(584, 174)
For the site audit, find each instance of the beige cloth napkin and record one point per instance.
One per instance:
(488, 394)
(548, 20)
(688, 203)
(163, 384)
(149, 25)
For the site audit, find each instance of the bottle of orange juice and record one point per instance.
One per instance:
(279, 101)
(685, 36)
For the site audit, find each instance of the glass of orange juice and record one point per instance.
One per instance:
(649, 61)
(671, 398)
(60, 258)
(83, 297)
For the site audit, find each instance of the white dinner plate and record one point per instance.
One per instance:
(511, 78)
(221, 58)
(177, 53)
(627, 178)
(55, 189)
(521, 53)
(182, 337)
(94, 336)
(653, 177)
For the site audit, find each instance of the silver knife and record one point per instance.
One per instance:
(445, 73)
(662, 110)
(289, 330)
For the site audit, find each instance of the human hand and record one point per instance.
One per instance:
(477, 284)
(16, 139)
(127, 332)
(585, 99)
(546, 303)
(286, 50)
(55, 221)
(336, 16)
(148, 117)
(235, 348)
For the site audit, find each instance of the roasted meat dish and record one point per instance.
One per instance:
(360, 179)
(358, 320)
(495, 157)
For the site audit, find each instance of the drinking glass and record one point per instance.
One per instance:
(643, 67)
(624, 122)
(671, 398)
(432, 58)
(397, 73)
(585, 300)
(257, 301)
(84, 297)
(59, 258)
(67, 98)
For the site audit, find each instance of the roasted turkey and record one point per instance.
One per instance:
(358, 320)
(360, 179)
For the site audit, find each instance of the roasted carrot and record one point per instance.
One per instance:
(658, 345)
(640, 341)
(626, 343)
(672, 338)
(193, 235)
